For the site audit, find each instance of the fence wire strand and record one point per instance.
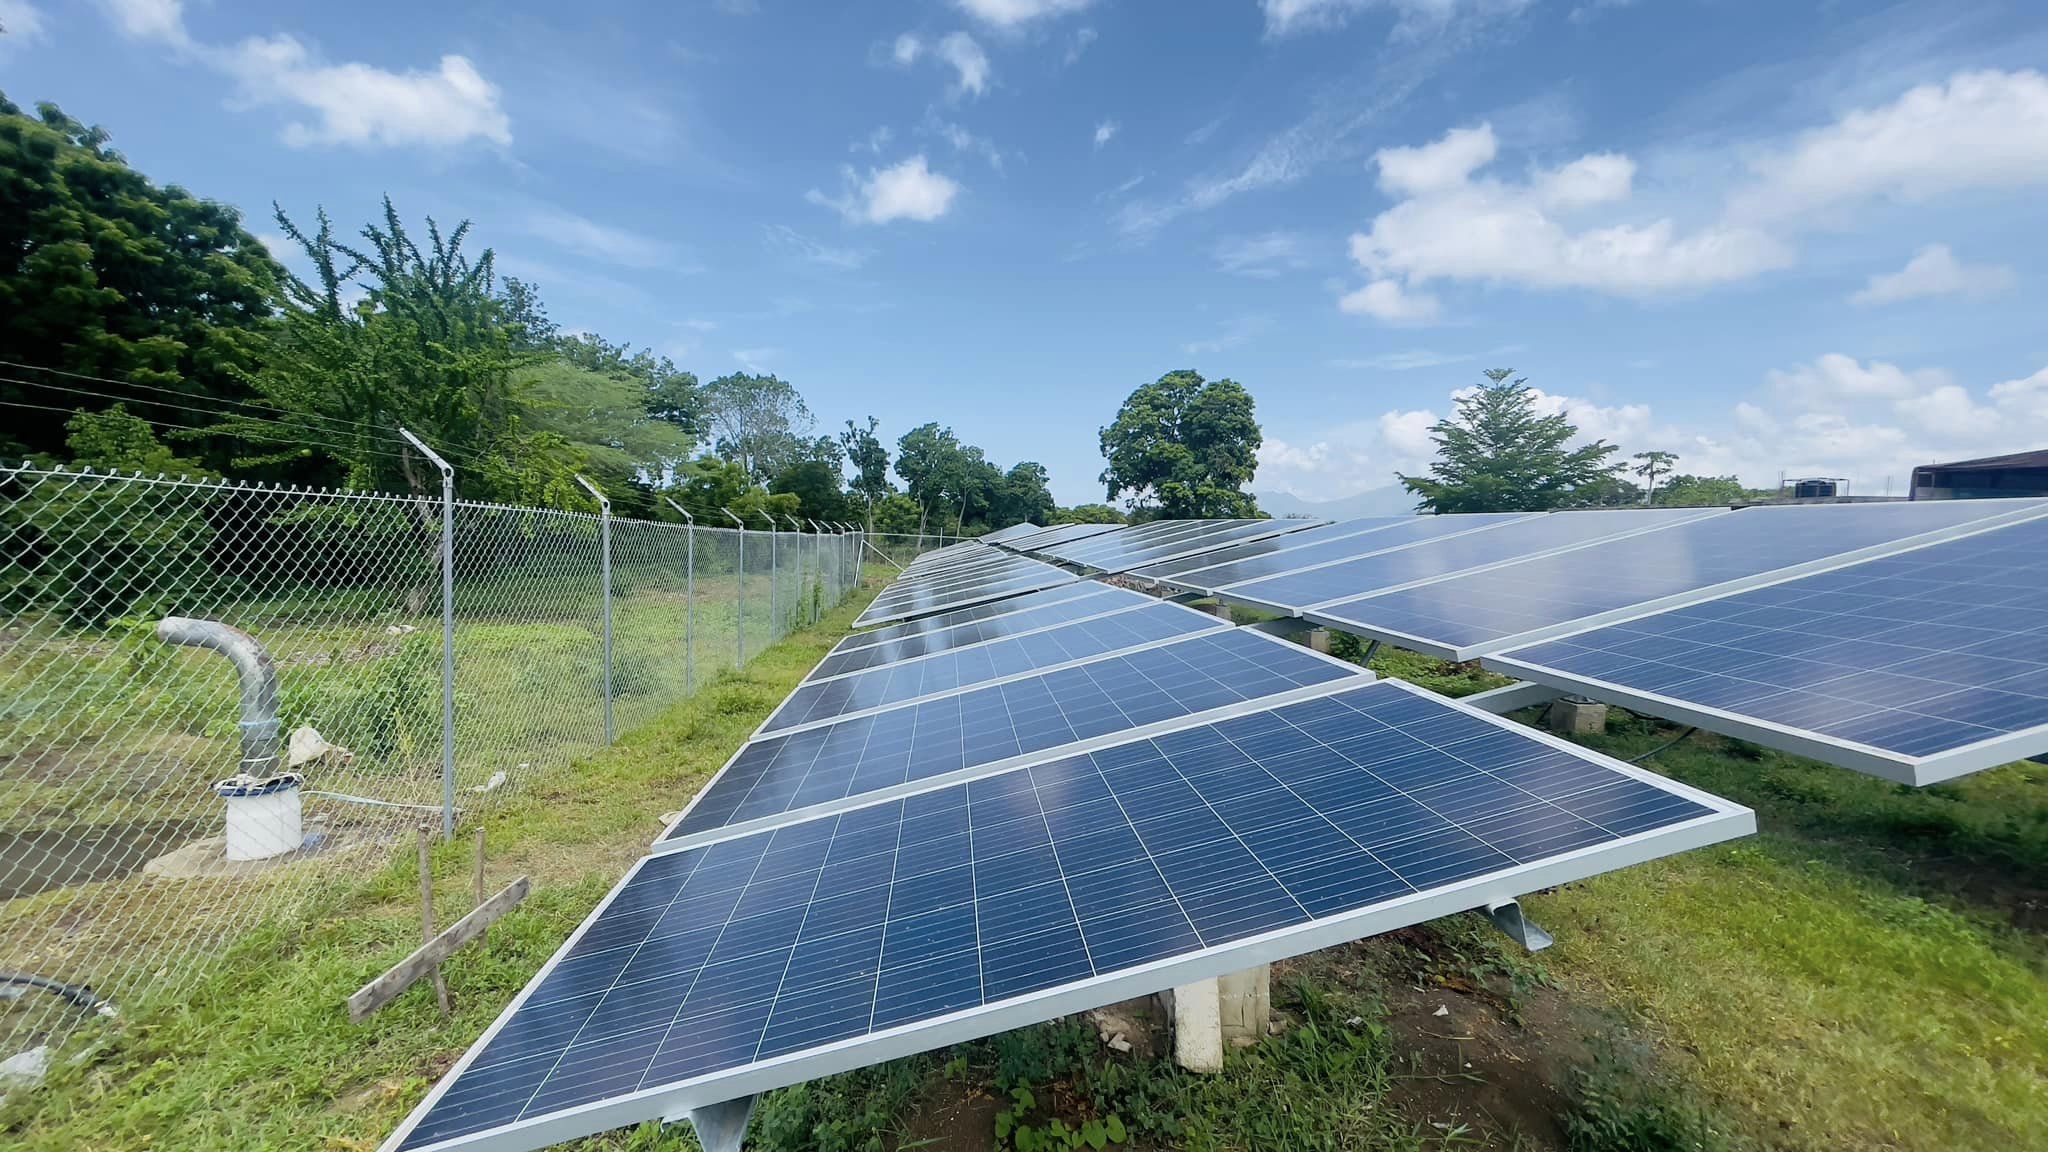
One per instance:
(113, 860)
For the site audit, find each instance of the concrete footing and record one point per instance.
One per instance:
(1219, 610)
(1211, 1015)
(1318, 640)
(1577, 716)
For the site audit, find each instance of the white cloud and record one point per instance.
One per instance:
(1009, 15)
(812, 251)
(1407, 361)
(599, 241)
(1455, 223)
(968, 61)
(1935, 271)
(355, 104)
(755, 360)
(1262, 256)
(1978, 130)
(699, 324)
(971, 68)
(963, 140)
(1104, 132)
(1287, 17)
(1083, 37)
(1387, 300)
(21, 23)
(150, 20)
(1235, 334)
(875, 141)
(909, 190)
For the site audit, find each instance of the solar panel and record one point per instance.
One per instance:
(1132, 536)
(1466, 616)
(1343, 529)
(766, 959)
(1413, 530)
(1013, 532)
(960, 616)
(1055, 535)
(1106, 699)
(817, 700)
(1453, 552)
(1103, 551)
(843, 660)
(924, 601)
(1917, 667)
(1199, 543)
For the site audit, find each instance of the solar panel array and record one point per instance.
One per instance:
(901, 924)
(1918, 666)
(911, 679)
(1198, 543)
(960, 584)
(1409, 532)
(1466, 615)
(976, 625)
(1160, 569)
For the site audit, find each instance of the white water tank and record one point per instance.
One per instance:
(263, 816)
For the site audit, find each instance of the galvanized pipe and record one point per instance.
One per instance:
(258, 676)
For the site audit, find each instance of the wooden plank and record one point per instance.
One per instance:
(384, 989)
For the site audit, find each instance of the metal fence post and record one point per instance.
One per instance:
(447, 632)
(604, 518)
(739, 629)
(799, 543)
(818, 549)
(689, 598)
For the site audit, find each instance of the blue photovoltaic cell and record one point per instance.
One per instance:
(1060, 534)
(775, 774)
(897, 683)
(1485, 607)
(1457, 553)
(1200, 542)
(712, 958)
(1327, 532)
(857, 659)
(952, 576)
(1916, 654)
(1116, 544)
(1412, 530)
(925, 602)
(1028, 600)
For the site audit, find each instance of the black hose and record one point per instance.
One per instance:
(1663, 747)
(79, 995)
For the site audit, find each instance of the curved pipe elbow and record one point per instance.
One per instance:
(256, 672)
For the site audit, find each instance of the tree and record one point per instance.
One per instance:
(1186, 444)
(1654, 464)
(898, 514)
(106, 274)
(1087, 514)
(758, 421)
(815, 484)
(1022, 495)
(870, 465)
(432, 346)
(1684, 491)
(1498, 454)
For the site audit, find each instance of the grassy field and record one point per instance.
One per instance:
(1867, 973)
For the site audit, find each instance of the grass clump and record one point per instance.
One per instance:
(1618, 1107)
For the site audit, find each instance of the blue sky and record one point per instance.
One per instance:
(1765, 235)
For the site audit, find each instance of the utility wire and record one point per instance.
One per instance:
(299, 434)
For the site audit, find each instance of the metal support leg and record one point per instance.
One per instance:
(722, 1127)
(1371, 650)
(1507, 916)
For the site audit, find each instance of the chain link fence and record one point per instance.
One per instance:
(116, 873)
(900, 548)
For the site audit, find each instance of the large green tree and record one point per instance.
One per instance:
(1685, 491)
(1184, 445)
(816, 485)
(870, 462)
(105, 274)
(1023, 495)
(1498, 453)
(758, 420)
(1087, 514)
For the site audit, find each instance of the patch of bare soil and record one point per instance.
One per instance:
(1473, 1050)
(951, 1116)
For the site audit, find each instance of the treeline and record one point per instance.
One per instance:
(143, 327)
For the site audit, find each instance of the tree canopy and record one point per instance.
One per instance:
(758, 420)
(1184, 445)
(1497, 453)
(105, 274)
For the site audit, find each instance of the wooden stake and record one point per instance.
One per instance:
(386, 988)
(482, 941)
(427, 915)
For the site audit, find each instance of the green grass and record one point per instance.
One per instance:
(260, 1053)
(1859, 975)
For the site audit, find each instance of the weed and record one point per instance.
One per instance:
(1617, 1106)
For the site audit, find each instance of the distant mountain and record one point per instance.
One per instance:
(1392, 500)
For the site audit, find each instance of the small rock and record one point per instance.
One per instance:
(491, 784)
(1117, 1043)
(400, 630)
(1355, 1021)
(668, 818)
(25, 1069)
(1442, 1010)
